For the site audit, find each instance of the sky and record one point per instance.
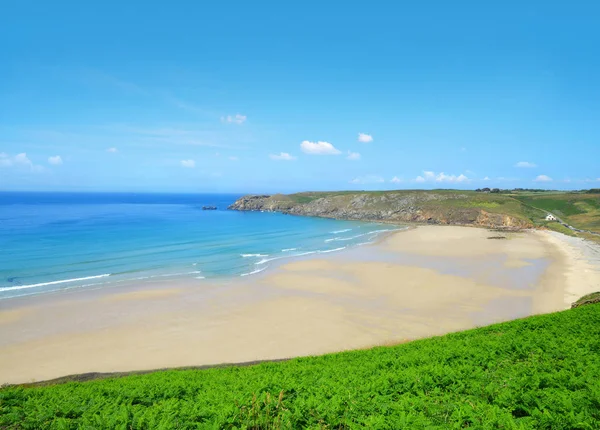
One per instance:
(260, 96)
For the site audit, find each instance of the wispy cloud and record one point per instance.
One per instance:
(543, 178)
(525, 164)
(234, 119)
(365, 138)
(233, 158)
(282, 156)
(429, 176)
(55, 160)
(319, 148)
(190, 164)
(19, 161)
(396, 180)
(99, 77)
(353, 155)
(112, 150)
(368, 179)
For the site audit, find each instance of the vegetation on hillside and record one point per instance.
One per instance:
(541, 372)
(581, 210)
(588, 299)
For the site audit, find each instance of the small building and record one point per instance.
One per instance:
(550, 217)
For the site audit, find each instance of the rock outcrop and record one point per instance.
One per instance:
(451, 208)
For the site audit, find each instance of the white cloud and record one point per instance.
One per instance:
(450, 178)
(525, 164)
(486, 178)
(22, 159)
(368, 179)
(18, 161)
(234, 119)
(543, 178)
(396, 180)
(56, 160)
(188, 163)
(282, 156)
(4, 159)
(319, 148)
(113, 150)
(365, 138)
(353, 155)
(429, 176)
(233, 158)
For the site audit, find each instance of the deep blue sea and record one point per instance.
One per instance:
(57, 241)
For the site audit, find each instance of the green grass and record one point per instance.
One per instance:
(587, 300)
(577, 209)
(555, 226)
(448, 199)
(541, 372)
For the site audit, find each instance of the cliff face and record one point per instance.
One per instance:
(425, 207)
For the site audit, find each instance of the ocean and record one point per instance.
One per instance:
(57, 241)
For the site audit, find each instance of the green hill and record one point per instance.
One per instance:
(581, 210)
(541, 372)
(454, 207)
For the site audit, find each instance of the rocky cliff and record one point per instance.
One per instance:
(443, 207)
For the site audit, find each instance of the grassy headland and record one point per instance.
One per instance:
(541, 372)
(434, 207)
(581, 210)
(501, 209)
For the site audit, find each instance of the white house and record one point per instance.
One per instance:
(550, 217)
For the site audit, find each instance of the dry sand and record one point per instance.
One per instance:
(422, 282)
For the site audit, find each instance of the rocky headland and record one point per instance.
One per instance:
(432, 207)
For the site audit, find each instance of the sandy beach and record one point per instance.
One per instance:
(425, 281)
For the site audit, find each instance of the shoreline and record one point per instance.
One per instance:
(135, 284)
(418, 282)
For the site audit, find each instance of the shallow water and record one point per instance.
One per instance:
(57, 241)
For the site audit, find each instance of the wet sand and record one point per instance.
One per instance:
(425, 281)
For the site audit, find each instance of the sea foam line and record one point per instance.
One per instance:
(340, 231)
(64, 281)
(338, 239)
(253, 255)
(289, 249)
(253, 272)
(330, 250)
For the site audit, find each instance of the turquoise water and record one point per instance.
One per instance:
(57, 241)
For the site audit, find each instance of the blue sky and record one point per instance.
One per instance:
(274, 96)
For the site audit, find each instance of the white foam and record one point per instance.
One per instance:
(253, 272)
(253, 255)
(289, 249)
(340, 231)
(64, 281)
(266, 260)
(176, 274)
(200, 277)
(341, 239)
(331, 250)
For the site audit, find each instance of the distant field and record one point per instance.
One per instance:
(541, 372)
(579, 210)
